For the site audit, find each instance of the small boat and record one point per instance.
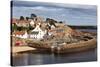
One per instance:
(64, 48)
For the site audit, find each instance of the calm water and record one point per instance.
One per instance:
(88, 30)
(47, 58)
(36, 58)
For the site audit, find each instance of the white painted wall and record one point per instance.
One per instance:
(40, 34)
(32, 22)
(22, 36)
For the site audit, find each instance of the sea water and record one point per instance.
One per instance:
(29, 58)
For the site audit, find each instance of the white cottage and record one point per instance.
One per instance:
(32, 22)
(38, 33)
(25, 35)
(21, 34)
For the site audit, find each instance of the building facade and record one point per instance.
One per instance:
(38, 33)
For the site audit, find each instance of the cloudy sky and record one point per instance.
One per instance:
(72, 14)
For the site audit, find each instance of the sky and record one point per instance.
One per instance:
(72, 14)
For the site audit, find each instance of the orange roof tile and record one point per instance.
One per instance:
(19, 33)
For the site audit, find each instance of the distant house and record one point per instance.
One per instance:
(51, 23)
(20, 34)
(14, 20)
(50, 27)
(36, 20)
(32, 23)
(53, 27)
(22, 23)
(38, 32)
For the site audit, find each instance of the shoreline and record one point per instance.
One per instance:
(16, 49)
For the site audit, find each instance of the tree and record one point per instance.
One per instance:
(21, 18)
(51, 21)
(20, 28)
(27, 18)
(14, 27)
(33, 16)
(60, 22)
(47, 19)
(30, 27)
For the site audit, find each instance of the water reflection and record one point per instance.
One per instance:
(34, 58)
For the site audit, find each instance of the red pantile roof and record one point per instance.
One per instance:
(19, 33)
(14, 20)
